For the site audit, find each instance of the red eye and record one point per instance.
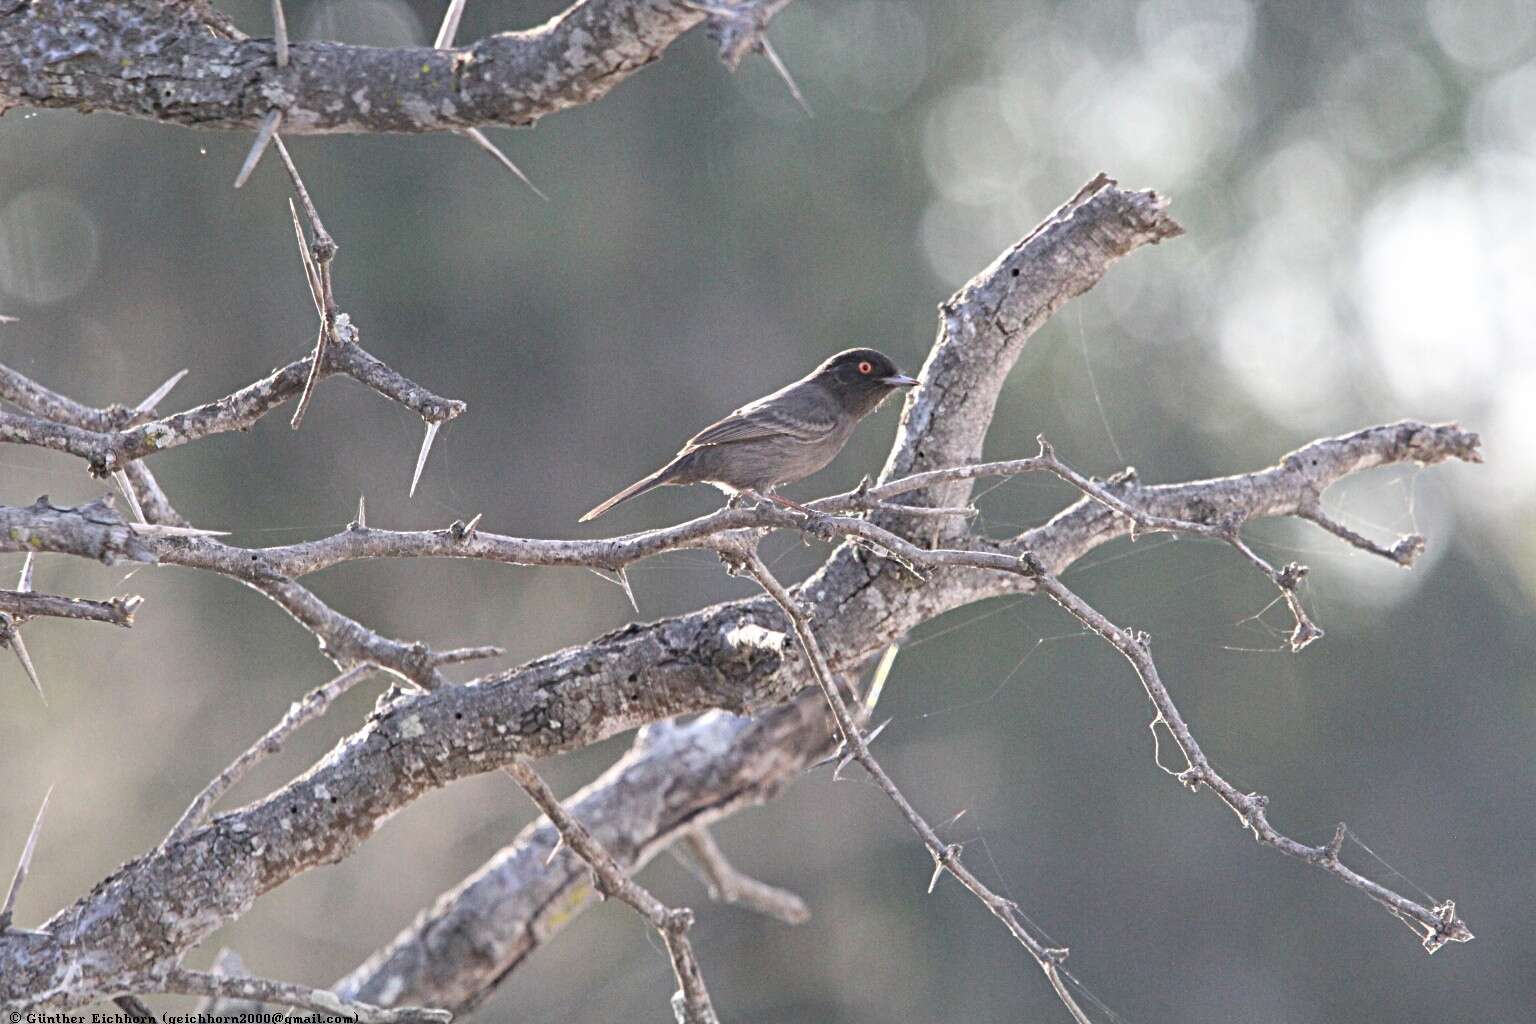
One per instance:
(866, 367)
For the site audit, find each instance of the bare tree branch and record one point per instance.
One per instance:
(946, 856)
(24, 605)
(183, 73)
(702, 855)
(690, 1003)
(107, 450)
(734, 657)
(1436, 925)
(312, 706)
(675, 777)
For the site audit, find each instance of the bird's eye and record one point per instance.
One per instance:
(866, 367)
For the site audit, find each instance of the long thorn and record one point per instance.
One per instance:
(476, 136)
(120, 477)
(629, 591)
(156, 396)
(24, 864)
(877, 682)
(20, 647)
(426, 446)
(24, 584)
(450, 26)
(317, 361)
(264, 134)
(280, 33)
(778, 65)
(310, 277)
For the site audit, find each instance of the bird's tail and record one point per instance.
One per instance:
(640, 486)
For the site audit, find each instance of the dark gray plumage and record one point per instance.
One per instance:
(782, 437)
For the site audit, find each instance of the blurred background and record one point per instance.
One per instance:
(1355, 178)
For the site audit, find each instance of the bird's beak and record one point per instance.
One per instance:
(899, 380)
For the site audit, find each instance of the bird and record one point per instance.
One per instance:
(782, 437)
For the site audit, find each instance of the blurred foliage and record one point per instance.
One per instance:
(1355, 177)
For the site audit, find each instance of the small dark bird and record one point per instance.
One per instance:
(782, 437)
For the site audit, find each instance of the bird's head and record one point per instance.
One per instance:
(862, 378)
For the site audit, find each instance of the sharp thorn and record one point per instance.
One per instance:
(309, 266)
(778, 65)
(264, 135)
(24, 584)
(20, 647)
(156, 530)
(478, 137)
(938, 869)
(836, 755)
(882, 673)
(23, 865)
(158, 395)
(362, 512)
(629, 591)
(123, 484)
(450, 26)
(280, 33)
(421, 460)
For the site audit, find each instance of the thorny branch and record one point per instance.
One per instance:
(190, 66)
(946, 856)
(24, 605)
(875, 587)
(690, 1003)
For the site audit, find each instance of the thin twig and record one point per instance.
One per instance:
(724, 884)
(1404, 553)
(946, 856)
(312, 706)
(25, 605)
(1435, 925)
(691, 1002)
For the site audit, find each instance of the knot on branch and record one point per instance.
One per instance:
(461, 531)
(1450, 928)
(736, 26)
(1031, 566)
(1191, 778)
(1290, 577)
(1252, 814)
(678, 921)
(1407, 550)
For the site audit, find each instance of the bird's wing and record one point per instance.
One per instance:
(802, 412)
